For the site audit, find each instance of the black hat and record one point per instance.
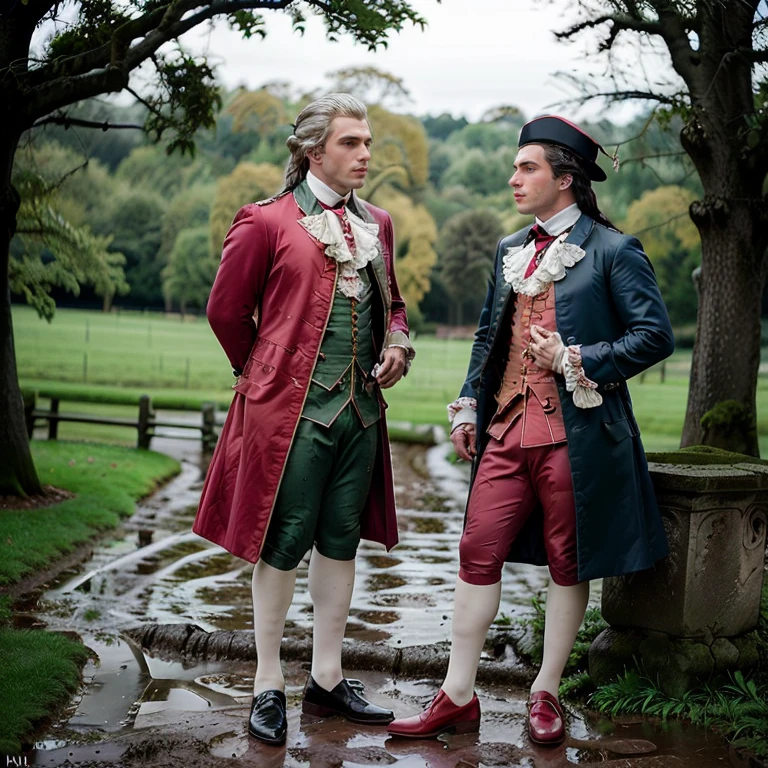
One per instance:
(550, 129)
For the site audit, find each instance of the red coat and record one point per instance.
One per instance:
(273, 270)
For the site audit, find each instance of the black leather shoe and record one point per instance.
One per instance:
(268, 722)
(343, 700)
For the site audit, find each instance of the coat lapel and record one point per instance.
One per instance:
(377, 264)
(582, 229)
(306, 201)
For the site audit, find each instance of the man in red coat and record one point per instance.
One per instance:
(307, 308)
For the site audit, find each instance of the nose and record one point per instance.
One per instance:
(365, 154)
(513, 181)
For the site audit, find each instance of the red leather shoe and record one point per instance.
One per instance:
(546, 724)
(440, 716)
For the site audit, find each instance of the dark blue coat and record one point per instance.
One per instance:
(609, 302)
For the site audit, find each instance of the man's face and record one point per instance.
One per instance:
(343, 163)
(536, 192)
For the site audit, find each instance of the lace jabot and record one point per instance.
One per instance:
(326, 227)
(559, 256)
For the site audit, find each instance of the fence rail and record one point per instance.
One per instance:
(144, 424)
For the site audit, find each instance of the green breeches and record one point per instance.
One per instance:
(323, 491)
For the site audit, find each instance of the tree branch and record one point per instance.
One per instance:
(618, 23)
(672, 101)
(174, 26)
(112, 74)
(69, 122)
(660, 224)
(64, 91)
(756, 57)
(643, 158)
(155, 23)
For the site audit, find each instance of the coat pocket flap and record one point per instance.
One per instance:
(242, 385)
(618, 430)
(326, 377)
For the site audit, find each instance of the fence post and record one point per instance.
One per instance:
(53, 424)
(663, 370)
(30, 403)
(145, 422)
(208, 431)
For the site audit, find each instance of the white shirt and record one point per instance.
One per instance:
(324, 193)
(557, 224)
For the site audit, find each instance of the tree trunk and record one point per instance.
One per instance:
(726, 354)
(17, 471)
(723, 138)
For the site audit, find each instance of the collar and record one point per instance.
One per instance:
(324, 193)
(557, 224)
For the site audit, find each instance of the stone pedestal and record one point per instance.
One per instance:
(691, 615)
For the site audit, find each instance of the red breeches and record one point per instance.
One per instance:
(510, 482)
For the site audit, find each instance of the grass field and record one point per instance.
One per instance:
(86, 355)
(40, 670)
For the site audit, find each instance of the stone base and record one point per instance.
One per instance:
(676, 665)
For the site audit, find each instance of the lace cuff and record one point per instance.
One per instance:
(576, 381)
(459, 405)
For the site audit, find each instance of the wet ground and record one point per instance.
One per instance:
(138, 709)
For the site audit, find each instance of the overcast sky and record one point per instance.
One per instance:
(474, 54)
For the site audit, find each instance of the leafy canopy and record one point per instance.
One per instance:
(96, 45)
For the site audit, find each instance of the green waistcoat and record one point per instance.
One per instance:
(346, 357)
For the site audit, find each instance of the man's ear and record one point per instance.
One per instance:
(566, 181)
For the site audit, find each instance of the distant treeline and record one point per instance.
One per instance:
(151, 225)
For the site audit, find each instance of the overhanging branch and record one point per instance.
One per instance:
(618, 22)
(170, 30)
(76, 122)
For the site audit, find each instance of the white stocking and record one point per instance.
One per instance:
(564, 613)
(474, 608)
(330, 586)
(272, 596)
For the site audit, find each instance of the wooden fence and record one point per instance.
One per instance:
(145, 424)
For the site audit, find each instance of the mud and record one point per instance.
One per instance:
(168, 615)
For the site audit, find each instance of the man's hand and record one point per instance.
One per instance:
(392, 367)
(547, 348)
(463, 439)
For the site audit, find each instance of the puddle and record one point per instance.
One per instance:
(141, 708)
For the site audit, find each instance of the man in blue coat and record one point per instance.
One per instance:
(559, 475)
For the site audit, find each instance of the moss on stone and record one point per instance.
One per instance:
(703, 455)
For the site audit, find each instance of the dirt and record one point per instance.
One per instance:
(50, 495)
(191, 712)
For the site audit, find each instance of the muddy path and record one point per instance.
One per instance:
(167, 616)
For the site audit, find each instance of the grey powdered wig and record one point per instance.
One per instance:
(312, 128)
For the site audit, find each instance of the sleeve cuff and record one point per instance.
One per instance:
(400, 339)
(462, 411)
(585, 394)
